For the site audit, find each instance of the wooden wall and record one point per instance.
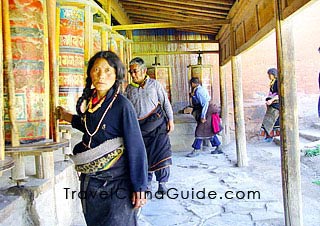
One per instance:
(149, 44)
(251, 21)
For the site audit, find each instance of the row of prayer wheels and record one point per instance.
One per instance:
(81, 31)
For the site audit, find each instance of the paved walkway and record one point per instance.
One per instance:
(209, 190)
(258, 188)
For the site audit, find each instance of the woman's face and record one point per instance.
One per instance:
(271, 76)
(103, 75)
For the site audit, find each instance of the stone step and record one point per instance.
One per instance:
(307, 138)
(182, 137)
(302, 142)
(310, 134)
(316, 125)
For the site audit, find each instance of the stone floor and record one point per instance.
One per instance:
(244, 196)
(209, 190)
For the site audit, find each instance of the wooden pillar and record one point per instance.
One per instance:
(18, 172)
(8, 66)
(240, 131)
(46, 68)
(53, 66)
(238, 112)
(290, 153)
(2, 155)
(224, 106)
(121, 50)
(88, 43)
(104, 38)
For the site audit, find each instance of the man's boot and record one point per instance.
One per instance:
(162, 188)
(194, 153)
(218, 150)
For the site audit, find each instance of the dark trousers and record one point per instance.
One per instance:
(213, 140)
(108, 203)
(162, 175)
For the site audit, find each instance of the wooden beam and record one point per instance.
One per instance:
(175, 52)
(201, 4)
(201, 30)
(118, 13)
(168, 25)
(175, 41)
(144, 20)
(179, 8)
(150, 17)
(221, 2)
(289, 127)
(181, 5)
(154, 11)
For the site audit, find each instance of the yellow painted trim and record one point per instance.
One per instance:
(169, 25)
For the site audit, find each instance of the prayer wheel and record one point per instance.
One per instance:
(31, 76)
(163, 75)
(113, 45)
(71, 56)
(97, 42)
(204, 73)
(100, 36)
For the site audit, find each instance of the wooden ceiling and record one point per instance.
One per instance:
(199, 16)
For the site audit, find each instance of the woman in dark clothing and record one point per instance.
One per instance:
(270, 125)
(111, 156)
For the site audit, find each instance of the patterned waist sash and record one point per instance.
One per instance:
(99, 158)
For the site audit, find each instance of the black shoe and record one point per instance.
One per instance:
(218, 150)
(149, 187)
(194, 153)
(162, 188)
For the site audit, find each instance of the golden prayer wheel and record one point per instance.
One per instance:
(204, 73)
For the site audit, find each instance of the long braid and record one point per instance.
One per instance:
(87, 92)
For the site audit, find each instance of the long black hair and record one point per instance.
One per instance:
(114, 61)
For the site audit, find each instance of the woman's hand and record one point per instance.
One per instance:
(63, 114)
(139, 199)
(271, 100)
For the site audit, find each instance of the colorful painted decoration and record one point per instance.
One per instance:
(71, 57)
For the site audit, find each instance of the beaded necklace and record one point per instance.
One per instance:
(98, 105)
(104, 114)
